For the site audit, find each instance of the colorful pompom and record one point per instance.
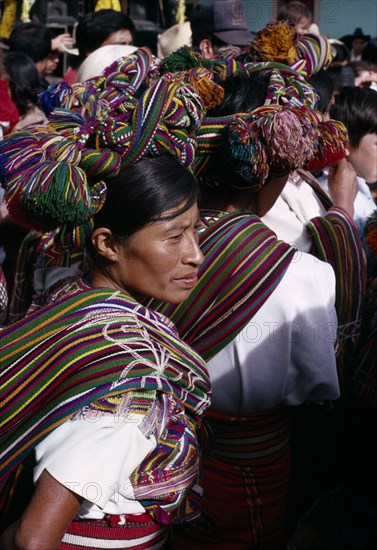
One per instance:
(289, 134)
(370, 232)
(275, 42)
(183, 59)
(54, 193)
(331, 145)
(248, 154)
(17, 152)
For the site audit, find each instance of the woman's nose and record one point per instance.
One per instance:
(193, 255)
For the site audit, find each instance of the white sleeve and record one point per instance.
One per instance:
(94, 457)
(285, 354)
(312, 375)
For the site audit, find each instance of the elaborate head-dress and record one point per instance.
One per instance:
(56, 176)
(55, 180)
(284, 134)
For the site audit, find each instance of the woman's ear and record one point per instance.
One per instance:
(105, 244)
(206, 48)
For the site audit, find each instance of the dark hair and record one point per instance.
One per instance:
(342, 52)
(242, 94)
(341, 76)
(140, 195)
(142, 192)
(24, 80)
(95, 27)
(31, 38)
(294, 12)
(324, 86)
(356, 108)
(369, 52)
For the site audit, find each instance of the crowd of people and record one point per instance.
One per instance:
(188, 304)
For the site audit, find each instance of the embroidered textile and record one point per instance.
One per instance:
(243, 264)
(93, 344)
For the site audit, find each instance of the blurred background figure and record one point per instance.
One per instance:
(35, 40)
(365, 77)
(96, 29)
(9, 114)
(25, 86)
(356, 42)
(298, 14)
(369, 53)
(218, 24)
(173, 38)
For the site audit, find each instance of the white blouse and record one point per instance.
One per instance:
(294, 208)
(285, 355)
(93, 456)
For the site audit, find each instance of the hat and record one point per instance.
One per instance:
(173, 38)
(71, 51)
(101, 58)
(225, 19)
(358, 33)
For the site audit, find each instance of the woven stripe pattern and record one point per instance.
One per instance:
(243, 264)
(90, 345)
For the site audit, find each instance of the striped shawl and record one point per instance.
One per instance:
(244, 262)
(93, 344)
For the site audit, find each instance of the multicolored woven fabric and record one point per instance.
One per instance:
(138, 532)
(243, 264)
(284, 134)
(335, 240)
(91, 344)
(250, 463)
(40, 251)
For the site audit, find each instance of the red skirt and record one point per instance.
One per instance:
(245, 482)
(139, 532)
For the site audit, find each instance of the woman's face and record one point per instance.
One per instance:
(161, 260)
(364, 158)
(123, 36)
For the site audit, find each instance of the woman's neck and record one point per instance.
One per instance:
(227, 202)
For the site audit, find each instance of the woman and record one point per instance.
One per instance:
(114, 416)
(262, 317)
(9, 114)
(25, 86)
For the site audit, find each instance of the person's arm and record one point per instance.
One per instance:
(4, 213)
(343, 186)
(64, 39)
(46, 518)
(335, 240)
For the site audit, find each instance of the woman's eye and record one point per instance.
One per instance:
(176, 237)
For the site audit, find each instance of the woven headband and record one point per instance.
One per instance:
(96, 129)
(279, 42)
(285, 134)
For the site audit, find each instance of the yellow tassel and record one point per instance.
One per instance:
(276, 42)
(8, 18)
(180, 15)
